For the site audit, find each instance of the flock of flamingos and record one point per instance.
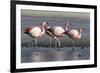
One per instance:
(54, 32)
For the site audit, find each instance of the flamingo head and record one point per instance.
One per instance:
(66, 26)
(67, 23)
(44, 24)
(81, 29)
(27, 30)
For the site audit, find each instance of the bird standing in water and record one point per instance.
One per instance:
(74, 34)
(36, 32)
(55, 32)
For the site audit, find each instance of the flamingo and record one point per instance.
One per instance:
(55, 32)
(74, 34)
(36, 31)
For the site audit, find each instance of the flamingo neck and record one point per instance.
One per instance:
(42, 28)
(80, 32)
(79, 36)
(66, 27)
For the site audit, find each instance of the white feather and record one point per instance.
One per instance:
(58, 30)
(36, 32)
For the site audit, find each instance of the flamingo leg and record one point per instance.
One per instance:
(35, 42)
(73, 41)
(74, 48)
(50, 42)
(58, 43)
(55, 44)
(80, 55)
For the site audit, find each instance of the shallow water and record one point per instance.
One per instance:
(51, 54)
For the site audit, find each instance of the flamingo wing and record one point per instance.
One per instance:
(49, 31)
(58, 31)
(73, 33)
(35, 32)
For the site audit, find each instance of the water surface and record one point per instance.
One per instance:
(51, 54)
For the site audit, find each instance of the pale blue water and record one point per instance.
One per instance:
(51, 54)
